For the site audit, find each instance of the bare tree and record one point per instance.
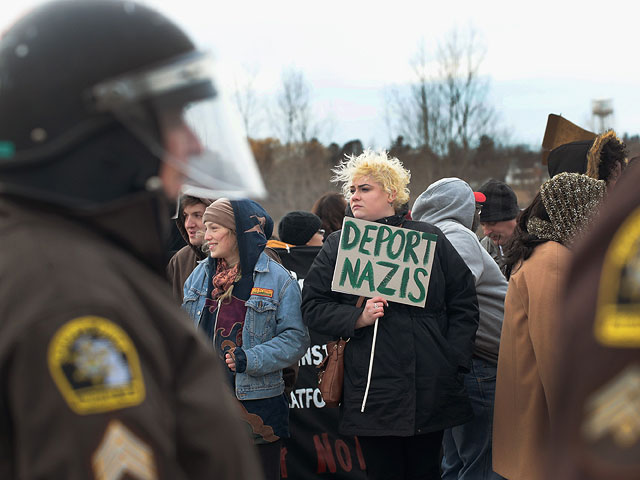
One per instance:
(247, 102)
(446, 108)
(293, 120)
(462, 90)
(415, 112)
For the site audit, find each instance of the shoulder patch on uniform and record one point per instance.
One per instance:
(95, 366)
(618, 309)
(263, 292)
(122, 453)
(615, 409)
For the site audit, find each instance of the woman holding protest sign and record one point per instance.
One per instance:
(403, 363)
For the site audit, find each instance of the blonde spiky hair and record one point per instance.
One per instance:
(377, 165)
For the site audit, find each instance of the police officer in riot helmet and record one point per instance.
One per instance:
(106, 110)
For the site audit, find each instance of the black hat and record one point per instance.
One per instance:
(297, 228)
(501, 202)
(584, 156)
(569, 158)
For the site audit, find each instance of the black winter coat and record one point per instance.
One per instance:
(421, 353)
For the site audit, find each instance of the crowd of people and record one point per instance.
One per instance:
(522, 362)
(466, 386)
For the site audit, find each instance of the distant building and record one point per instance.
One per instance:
(526, 181)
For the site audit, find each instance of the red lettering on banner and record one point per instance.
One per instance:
(344, 455)
(363, 466)
(325, 454)
(283, 462)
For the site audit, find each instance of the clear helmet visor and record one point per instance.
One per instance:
(180, 114)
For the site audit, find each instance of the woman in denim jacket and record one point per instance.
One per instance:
(249, 306)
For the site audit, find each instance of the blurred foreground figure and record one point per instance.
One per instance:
(597, 435)
(101, 374)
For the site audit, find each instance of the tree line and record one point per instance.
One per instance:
(441, 124)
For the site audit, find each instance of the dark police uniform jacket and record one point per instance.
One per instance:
(101, 373)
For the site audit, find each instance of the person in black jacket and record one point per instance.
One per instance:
(416, 388)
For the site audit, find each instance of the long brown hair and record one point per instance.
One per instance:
(331, 208)
(522, 243)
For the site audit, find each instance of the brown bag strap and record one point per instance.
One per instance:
(358, 305)
(334, 345)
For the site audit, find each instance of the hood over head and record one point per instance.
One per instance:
(571, 200)
(446, 199)
(254, 226)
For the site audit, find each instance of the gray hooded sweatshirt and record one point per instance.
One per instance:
(449, 204)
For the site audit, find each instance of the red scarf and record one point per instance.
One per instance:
(224, 278)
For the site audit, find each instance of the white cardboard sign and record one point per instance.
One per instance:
(380, 260)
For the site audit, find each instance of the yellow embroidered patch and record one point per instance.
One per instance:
(618, 311)
(121, 453)
(95, 366)
(263, 292)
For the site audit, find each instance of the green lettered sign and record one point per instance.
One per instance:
(379, 260)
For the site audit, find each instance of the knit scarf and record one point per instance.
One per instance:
(544, 230)
(223, 279)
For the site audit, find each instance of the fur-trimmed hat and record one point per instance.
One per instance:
(584, 156)
(297, 228)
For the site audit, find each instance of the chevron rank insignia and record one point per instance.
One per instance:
(95, 366)
(121, 454)
(615, 410)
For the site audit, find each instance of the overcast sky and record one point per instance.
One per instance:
(541, 57)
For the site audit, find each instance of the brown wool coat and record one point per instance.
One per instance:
(185, 260)
(525, 399)
(180, 267)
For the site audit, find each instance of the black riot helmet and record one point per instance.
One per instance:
(99, 98)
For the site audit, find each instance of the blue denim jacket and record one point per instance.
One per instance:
(273, 336)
